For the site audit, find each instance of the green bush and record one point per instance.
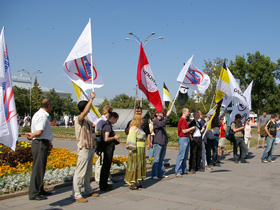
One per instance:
(25, 129)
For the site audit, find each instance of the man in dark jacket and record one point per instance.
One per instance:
(160, 143)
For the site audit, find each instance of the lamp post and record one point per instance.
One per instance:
(144, 43)
(30, 78)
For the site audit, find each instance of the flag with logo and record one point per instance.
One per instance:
(167, 98)
(147, 82)
(94, 114)
(183, 95)
(79, 65)
(193, 78)
(223, 87)
(9, 134)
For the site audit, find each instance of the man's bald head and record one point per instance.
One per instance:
(46, 103)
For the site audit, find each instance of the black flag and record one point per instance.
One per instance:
(183, 95)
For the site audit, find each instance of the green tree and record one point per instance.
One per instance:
(260, 69)
(57, 102)
(22, 100)
(69, 106)
(36, 97)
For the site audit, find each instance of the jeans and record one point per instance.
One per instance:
(159, 154)
(267, 153)
(181, 163)
(239, 141)
(212, 144)
(151, 150)
(195, 153)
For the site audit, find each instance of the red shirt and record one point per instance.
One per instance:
(182, 124)
(222, 134)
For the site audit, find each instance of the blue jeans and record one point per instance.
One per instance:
(159, 154)
(151, 150)
(181, 163)
(267, 153)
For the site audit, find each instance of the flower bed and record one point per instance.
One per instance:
(60, 168)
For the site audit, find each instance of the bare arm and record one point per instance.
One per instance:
(107, 138)
(188, 130)
(84, 113)
(37, 133)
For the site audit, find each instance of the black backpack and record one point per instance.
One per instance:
(230, 133)
(99, 142)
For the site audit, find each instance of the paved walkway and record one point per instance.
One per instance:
(233, 186)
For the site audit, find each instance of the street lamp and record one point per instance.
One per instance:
(30, 78)
(144, 43)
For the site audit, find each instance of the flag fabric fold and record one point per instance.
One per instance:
(79, 65)
(7, 98)
(223, 87)
(94, 114)
(147, 82)
(167, 98)
(193, 78)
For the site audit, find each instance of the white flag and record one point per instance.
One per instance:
(247, 94)
(193, 78)
(79, 65)
(7, 95)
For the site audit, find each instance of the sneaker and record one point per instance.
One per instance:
(163, 176)
(236, 161)
(155, 178)
(264, 161)
(81, 200)
(201, 170)
(189, 173)
(178, 175)
(217, 164)
(271, 161)
(244, 161)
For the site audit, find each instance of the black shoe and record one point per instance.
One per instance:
(38, 198)
(236, 161)
(217, 165)
(244, 161)
(108, 188)
(45, 193)
(201, 170)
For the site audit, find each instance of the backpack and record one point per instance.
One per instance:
(99, 142)
(230, 133)
(263, 133)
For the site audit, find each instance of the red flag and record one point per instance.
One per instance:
(147, 82)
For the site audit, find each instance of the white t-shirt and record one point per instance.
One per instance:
(40, 121)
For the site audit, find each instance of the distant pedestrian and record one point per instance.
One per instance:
(41, 136)
(247, 135)
(136, 163)
(261, 122)
(184, 144)
(238, 129)
(160, 144)
(26, 120)
(66, 120)
(271, 130)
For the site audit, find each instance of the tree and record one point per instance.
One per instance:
(260, 69)
(22, 100)
(36, 97)
(69, 106)
(57, 104)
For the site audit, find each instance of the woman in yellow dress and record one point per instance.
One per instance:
(136, 163)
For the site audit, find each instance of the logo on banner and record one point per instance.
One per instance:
(241, 107)
(193, 77)
(83, 67)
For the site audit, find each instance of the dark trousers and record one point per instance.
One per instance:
(212, 145)
(195, 153)
(106, 166)
(239, 142)
(40, 150)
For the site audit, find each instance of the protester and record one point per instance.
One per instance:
(203, 163)
(66, 120)
(111, 139)
(160, 144)
(184, 144)
(222, 138)
(271, 130)
(41, 136)
(85, 152)
(144, 126)
(98, 125)
(196, 144)
(151, 127)
(238, 130)
(262, 121)
(26, 120)
(136, 163)
(247, 135)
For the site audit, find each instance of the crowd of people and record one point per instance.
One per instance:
(201, 143)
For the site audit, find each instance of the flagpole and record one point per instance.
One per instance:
(90, 38)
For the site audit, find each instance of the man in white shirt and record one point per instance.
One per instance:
(66, 120)
(41, 136)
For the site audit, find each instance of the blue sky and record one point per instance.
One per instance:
(41, 34)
